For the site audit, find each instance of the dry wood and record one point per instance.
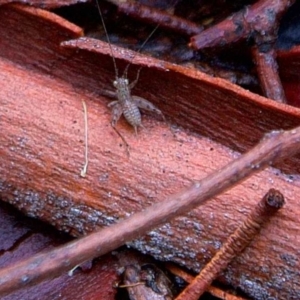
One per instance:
(260, 22)
(267, 71)
(214, 291)
(33, 270)
(42, 150)
(236, 243)
(275, 146)
(155, 16)
(46, 4)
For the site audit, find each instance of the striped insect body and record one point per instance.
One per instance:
(126, 104)
(129, 105)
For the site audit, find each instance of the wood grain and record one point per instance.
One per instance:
(42, 152)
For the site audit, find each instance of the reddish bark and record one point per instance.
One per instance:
(275, 146)
(42, 152)
(46, 4)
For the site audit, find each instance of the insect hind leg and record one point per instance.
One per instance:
(147, 105)
(117, 111)
(123, 139)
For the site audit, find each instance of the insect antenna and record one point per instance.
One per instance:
(111, 50)
(125, 73)
(107, 38)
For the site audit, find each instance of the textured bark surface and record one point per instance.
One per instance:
(42, 150)
(46, 4)
(21, 237)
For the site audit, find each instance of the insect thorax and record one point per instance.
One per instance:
(123, 91)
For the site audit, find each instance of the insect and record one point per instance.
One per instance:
(126, 104)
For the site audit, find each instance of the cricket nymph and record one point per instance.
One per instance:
(129, 105)
(126, 104)
(130, 110)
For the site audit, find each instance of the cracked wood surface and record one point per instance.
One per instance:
(42, 151)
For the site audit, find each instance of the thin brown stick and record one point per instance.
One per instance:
(260, 19)
(267, 71)
(156, 16)
(275, 145)
(214, 291)
(123, 139)
(237, 241)
(260, 22)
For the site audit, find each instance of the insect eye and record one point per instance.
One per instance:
(126, 81)
(115, 83)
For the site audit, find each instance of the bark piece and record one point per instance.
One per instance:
(42, 151)
(46, 4)
(267, 71)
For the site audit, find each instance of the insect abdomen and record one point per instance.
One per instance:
(132, 114)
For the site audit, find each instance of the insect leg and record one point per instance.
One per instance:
(133, 83)
(109, 94)
(147, 105)
(113, 103)
(117, 111)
